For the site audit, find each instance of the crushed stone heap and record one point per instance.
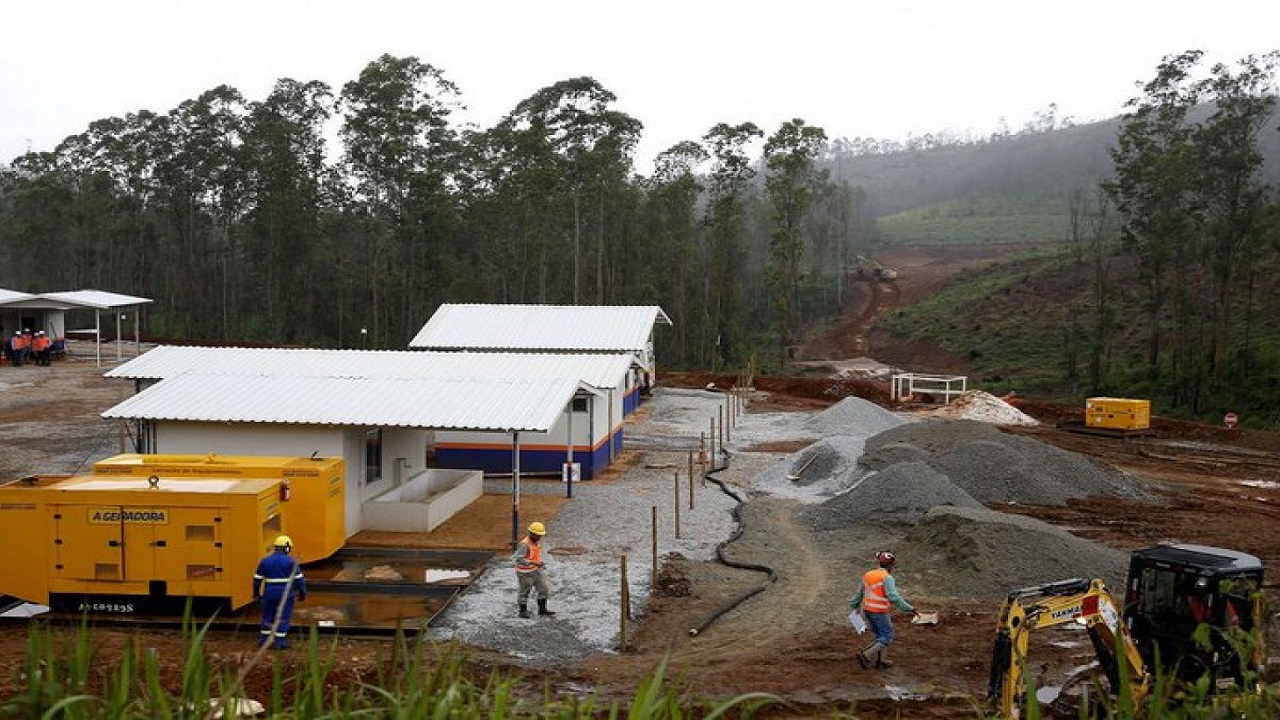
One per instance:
(994, 467)
(983, 554)
(900, 493)
(854, 417)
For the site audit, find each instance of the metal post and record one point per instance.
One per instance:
(568, 470)
(515, 487)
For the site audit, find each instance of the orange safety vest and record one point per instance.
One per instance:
(531, 563)
(874, 598)
(41, 343)
(21, 342)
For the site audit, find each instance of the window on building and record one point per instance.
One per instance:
(373, 455)
(579, 404)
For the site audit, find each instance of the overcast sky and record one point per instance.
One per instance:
(854, 68)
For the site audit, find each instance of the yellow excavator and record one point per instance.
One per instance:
(1172, 590)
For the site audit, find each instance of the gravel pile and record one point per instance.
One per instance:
(997, 468)
(820, 471)
(901, 493)
(984, 554)
(855, 417)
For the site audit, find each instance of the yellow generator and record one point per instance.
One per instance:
(135, 544)
(1117, 413)
(313, 489)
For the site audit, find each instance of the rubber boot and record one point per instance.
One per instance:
(882, 659)
(524, 610)
(867, 653)
(542, 607)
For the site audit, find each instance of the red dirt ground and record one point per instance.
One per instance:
(778, 644)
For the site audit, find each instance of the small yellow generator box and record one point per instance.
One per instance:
(312, 490)
(1117, 413)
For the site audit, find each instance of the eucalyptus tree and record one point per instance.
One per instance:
(564, 147)
(1233, 197)
(728, 185)
(296, 285)
(200, 174)
(1192, 206)
(792, 178)
(399, 152)
(673, 265)
(1153, 189)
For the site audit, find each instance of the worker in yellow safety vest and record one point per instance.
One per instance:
(877, 597)
(530, 571)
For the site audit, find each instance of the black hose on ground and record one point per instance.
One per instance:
(737, 533)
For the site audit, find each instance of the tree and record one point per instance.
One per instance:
(789, 155)
(725, 217)
(400, 153)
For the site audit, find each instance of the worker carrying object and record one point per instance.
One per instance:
(530, 571)
(278, 580)
(877, 596)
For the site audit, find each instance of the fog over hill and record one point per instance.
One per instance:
(1040, 164)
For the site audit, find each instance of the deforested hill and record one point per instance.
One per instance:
(1008, 187)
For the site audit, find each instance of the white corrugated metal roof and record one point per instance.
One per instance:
(8, 296)
(524, 404)
(600, 371)
(100, 299)
(597, 328)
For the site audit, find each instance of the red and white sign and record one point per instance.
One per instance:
(1230, 420)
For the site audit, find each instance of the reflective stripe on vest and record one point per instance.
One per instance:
(529, 564)
(874, 598)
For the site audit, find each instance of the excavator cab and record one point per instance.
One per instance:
(1173, 589)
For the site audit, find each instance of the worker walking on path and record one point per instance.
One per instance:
(530, 571)
(277, 581)
(877, 596)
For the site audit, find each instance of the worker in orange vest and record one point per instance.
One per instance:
(21, 346)
(40, 345)
(877, 597)
(530, 572)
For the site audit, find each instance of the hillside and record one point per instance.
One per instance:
(1008, 189)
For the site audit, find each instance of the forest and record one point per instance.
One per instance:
(342, 217)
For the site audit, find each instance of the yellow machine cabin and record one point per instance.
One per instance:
(135, 545)
(314, 489)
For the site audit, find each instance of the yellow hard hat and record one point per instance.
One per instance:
(537, 529)
(284, 542)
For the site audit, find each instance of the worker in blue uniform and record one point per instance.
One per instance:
(277, 582)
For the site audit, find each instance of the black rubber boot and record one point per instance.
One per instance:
(524, 610)
(542, 607)
(882, 659)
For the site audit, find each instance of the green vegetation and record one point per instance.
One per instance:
(67, 677)
(999, 219)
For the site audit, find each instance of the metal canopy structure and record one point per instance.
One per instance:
(96, 300)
